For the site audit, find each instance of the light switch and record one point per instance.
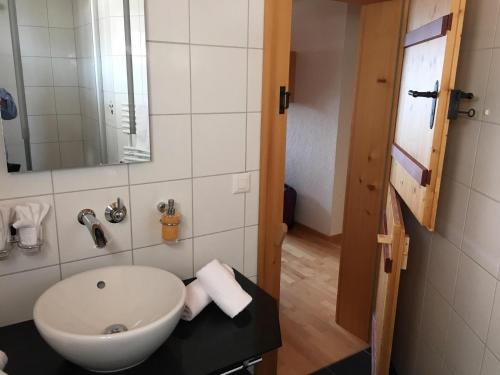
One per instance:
(241, 183)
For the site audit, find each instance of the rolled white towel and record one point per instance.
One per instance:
(223, 289)
(3, 361)
(197, 299)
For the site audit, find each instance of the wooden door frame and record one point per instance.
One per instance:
(375, 85)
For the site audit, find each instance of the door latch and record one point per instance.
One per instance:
(284, 99)
(431, 95)
(455, 97)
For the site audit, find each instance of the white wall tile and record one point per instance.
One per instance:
(428, 361)
(491, 365)
(474, 295)
(486, 173)
(74, 239)
(45, 156)
(215, 207)
(167, 20)
(60, 13)
(253, 141)
(43, 128)
(67, 100)
(472, 76)
(117, 259)
(218, 79)
(463, 136)
(480, 24)
(170, 150)
(452, 209)
(218, 144)
(494, 331)
(37, 71)
(49, 254)
(65, 72)
(225, 246)
(62, 43)
(435, 320)
(169, 90)
(251, 251)
(69, 127)
(31, 12)
(145, 216)
(464, 350)
(252, 200)
(90, 178)
(21, 290)
(493, 90)
(34, 41)
(481, 232)
(72, 154)
(443, 266)
(176, 258)
(255, 62)
(40, 101)
(256, 24)
(22, 185)
(219, 22)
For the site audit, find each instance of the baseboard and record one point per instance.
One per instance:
(336, 239)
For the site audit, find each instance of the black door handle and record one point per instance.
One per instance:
(284, 100)
(423, 94)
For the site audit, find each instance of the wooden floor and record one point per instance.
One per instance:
(311, 338)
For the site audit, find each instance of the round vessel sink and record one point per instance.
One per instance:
(111, 318)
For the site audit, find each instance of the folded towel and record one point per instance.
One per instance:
(5, 216)
(8, 109)
(197, 299)
(223, 289)
(29, 221)
(3, 360)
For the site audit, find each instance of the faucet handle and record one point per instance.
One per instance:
(116, 212)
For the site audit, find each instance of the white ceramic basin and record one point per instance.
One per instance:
(76, 315)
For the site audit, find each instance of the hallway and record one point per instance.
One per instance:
(309, 275)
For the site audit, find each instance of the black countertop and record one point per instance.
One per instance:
(211, 344)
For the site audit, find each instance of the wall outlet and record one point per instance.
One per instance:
(241, 183)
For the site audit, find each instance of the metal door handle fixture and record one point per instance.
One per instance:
(423, 94)
(284, 99)
(455, 97)
(430, 95)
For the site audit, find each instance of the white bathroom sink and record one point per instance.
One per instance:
(110, 318)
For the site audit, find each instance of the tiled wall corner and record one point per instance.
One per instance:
(204, 88)
(461, 313)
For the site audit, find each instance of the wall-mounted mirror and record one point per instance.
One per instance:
(77, 71)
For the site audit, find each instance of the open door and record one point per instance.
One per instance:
(393, 258)
(427, 102)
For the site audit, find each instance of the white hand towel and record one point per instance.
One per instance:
(29, 220)
(3, 360)
(5, 216)
(197, 299)
(223, 289)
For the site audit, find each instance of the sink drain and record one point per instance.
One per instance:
(115, 328)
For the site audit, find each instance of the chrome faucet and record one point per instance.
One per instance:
(87, 217)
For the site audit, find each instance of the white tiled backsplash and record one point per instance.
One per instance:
(449, 306)
(205, 124)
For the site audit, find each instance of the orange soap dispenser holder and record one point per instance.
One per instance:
(170, 221)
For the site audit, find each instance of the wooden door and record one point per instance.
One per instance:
(393, 258)
(432, 45)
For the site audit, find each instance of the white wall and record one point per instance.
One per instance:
(315, 120)
(205, 69)
(448, 318)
